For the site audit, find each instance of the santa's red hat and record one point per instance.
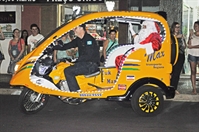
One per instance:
(153, 26)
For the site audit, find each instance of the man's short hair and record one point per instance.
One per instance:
(112, 30)
(83, 26)
(34, 25)
(162, 13)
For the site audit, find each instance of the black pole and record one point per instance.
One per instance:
(140, 2)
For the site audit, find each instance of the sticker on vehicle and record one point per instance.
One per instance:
(121, 87)
(130, 77)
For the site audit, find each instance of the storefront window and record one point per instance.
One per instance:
(187, 24)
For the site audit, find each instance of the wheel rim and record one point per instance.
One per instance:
(29, 102)
(149, 102)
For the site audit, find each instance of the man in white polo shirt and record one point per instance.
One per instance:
(34, 38)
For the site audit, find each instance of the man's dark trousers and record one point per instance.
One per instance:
(79, 68)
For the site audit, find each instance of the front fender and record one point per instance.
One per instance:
(22, 76)
(169, 91)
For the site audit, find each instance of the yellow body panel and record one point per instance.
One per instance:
(110, 81)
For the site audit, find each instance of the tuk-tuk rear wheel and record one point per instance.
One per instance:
(147, 101)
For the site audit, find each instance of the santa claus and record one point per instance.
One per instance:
(148, 38)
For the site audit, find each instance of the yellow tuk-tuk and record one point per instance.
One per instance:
(131, 72)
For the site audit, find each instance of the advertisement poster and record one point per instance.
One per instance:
(7, 22)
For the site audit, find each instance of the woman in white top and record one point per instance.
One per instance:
(193, 54)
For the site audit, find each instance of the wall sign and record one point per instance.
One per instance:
(50, 1)
(7, 17)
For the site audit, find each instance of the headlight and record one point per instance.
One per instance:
(16, 67)
(42, 69)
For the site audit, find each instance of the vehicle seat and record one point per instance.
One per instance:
(92, 74)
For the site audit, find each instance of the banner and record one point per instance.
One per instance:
(7, 17)
(9, 2)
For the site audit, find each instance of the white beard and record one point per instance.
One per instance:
(143, 34)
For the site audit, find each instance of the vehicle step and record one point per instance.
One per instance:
(98, 87)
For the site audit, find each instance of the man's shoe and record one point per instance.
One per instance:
(76, 101)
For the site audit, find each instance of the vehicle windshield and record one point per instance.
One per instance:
(56, 29)
(99, 28)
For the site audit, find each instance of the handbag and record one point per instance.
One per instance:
(2, 57)
(11, 67)
(102, 57)
(23, 54)
(182, 46)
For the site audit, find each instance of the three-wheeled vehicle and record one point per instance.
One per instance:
(141, 78)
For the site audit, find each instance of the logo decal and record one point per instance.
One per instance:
(89, 42)
(121, 87)
(129, 77)
(109, 81)
(39, 81)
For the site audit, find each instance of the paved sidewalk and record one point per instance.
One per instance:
(10, 91)
(184, 88)
(186, 98)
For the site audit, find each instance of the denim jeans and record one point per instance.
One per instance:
(79, 68)
(193, 58)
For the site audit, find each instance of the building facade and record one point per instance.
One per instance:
(50, 16)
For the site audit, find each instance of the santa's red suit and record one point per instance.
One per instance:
(148, 38)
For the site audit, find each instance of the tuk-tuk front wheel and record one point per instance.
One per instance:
(147, 101)
(31, 102)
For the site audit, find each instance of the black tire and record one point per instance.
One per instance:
(27, 103)
(147, 101)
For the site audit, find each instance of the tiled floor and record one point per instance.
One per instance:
(185, 86)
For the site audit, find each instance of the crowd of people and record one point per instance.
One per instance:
(20, 45)
(192, 45)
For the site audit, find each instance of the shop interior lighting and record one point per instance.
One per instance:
(110, 5)
(77, 9)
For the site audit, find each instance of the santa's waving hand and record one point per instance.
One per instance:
(148, 38)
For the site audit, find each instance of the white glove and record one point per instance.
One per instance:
(131, 29)
(148, 47)
(137, 46)
(136, 39)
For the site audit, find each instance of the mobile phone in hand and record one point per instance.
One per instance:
(191, 31)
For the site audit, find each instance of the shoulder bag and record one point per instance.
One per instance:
(102, 57)
(1, 54)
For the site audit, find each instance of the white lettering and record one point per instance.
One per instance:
(22, 0)
(94, 94)
(51, 1)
